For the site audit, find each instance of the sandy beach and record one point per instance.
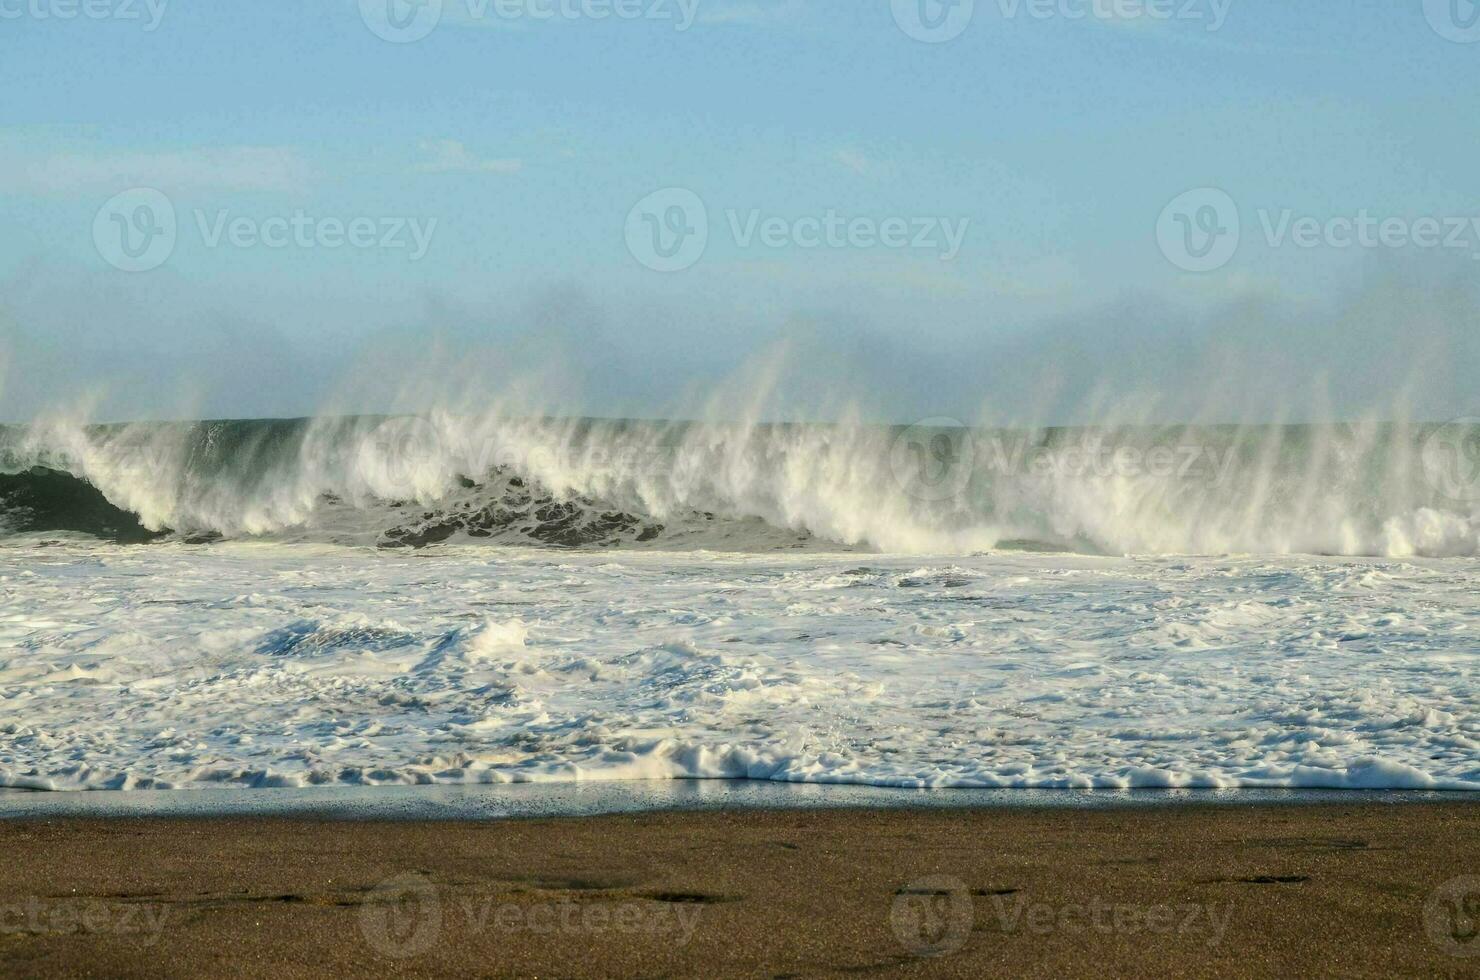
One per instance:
(1365, 889)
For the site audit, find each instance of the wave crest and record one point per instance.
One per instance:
(936, 487)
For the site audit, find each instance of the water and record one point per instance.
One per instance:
(261, 664)
(1368, 489)
(463, 600)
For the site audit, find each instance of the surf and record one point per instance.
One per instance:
(1378, 489)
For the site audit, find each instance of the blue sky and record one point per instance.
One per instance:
(520, 145)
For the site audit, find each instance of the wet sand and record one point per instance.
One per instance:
(1360, 889)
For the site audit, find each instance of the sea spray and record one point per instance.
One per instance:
(1350, 489)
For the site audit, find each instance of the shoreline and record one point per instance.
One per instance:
(1363, 889)
(596, 798)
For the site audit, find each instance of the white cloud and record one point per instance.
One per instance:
(862, 164)
(237, 168)
(452, 157)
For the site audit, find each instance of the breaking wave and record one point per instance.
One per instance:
(938, 487)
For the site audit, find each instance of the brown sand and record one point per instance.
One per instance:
(1354, 890)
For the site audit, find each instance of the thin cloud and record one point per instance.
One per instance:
(235, 168)
(862, 164)
(452, 157)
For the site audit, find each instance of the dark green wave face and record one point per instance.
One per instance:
(413, 481)
(40, 499)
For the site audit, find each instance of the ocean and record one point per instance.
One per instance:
(455, 600)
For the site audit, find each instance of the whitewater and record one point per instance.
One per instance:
(452, 599)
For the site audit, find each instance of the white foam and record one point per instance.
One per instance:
(287, 665)
(1346, 490)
